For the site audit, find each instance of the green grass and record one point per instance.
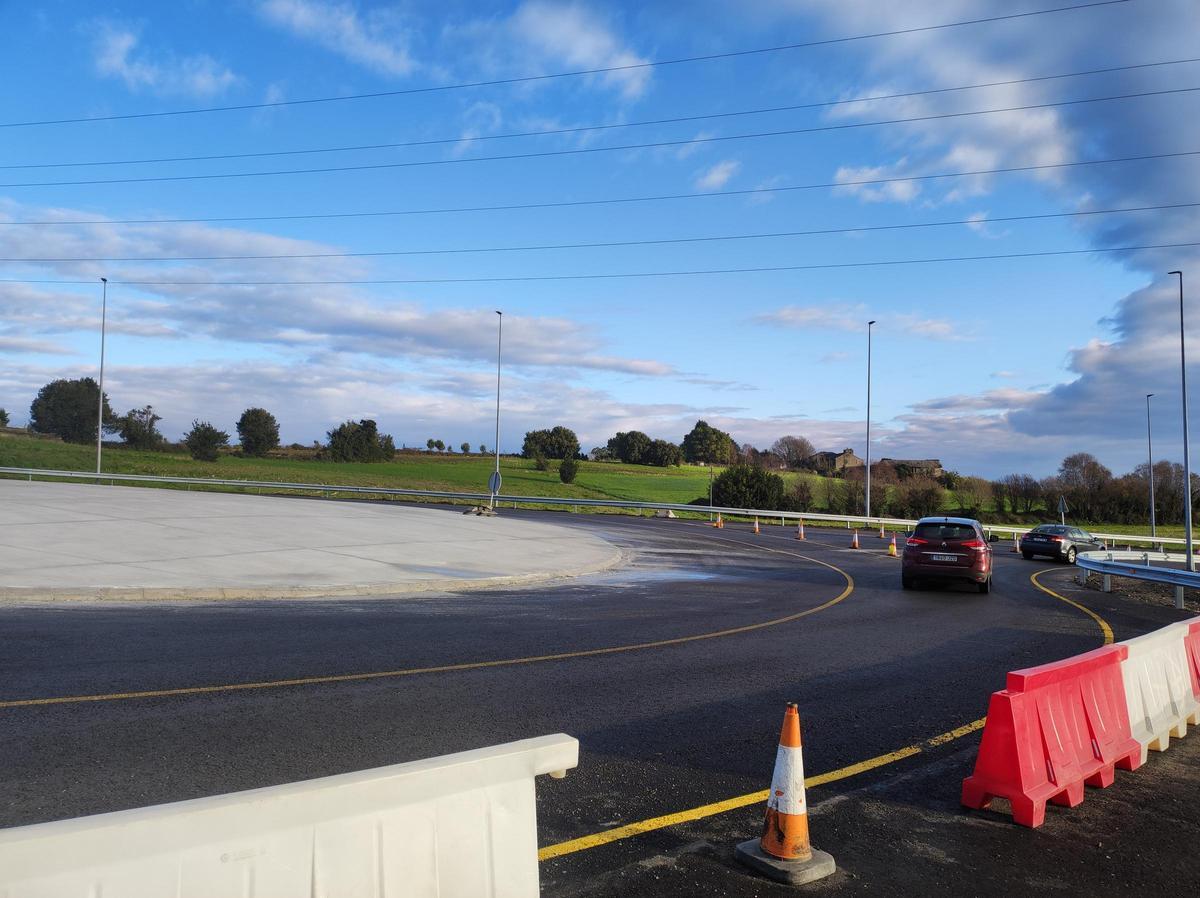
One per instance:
(450, 473)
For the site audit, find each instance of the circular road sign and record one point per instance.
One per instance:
(494, 482)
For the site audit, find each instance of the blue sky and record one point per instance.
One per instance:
(993, 366)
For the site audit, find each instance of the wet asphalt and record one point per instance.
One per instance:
(662, 729)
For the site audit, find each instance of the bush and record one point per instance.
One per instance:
(662, 454)
(3, 418)
(567, 470)
(139, 429)
(745, 486)
(801, 496)
(204, 441)
(558, 442)
(67, 408)
(920, 497)
(258, 432)
(539, 461)
(360, 441)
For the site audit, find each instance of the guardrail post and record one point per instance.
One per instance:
(1107, 583)
(1179, 597)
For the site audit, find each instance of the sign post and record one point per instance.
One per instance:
(1062, 510)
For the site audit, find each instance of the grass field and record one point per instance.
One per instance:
(450, 473)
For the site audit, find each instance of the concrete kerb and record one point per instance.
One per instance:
(15, 594)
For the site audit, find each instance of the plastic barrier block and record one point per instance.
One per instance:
(1052, 730)
(1159, 688)
(1191, 644)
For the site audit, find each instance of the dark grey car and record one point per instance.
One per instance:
(1058, 541)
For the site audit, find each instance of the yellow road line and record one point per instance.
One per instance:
(447, 668)
(709, 810)
(1104, 627)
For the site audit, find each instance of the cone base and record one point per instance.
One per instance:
(795, 873)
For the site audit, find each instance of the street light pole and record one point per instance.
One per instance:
(100, 404)
(710, 488)
(870, 324)
(1150, 459)
(1187, 457)
(499, 345)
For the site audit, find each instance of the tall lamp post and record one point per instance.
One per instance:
(100, 404)
(1150, 460)
(867, 511)
(495, 481)
(1187, 456)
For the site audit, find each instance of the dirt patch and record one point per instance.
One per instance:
(1142, 590)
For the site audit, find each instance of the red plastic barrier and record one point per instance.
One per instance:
(1053, 729)
(1192, 646)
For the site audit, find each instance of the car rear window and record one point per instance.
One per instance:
(1053, 528)
(945, 531)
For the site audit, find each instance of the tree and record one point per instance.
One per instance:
(971, 494)
(360, 441)
(662, 453)
(568, 469)
(920, 497)
(558, 442)
(793, 450)
(430, 444)
(539, 461)
(68, 408)
(466, 448)
(802, 494)
(630, 447)
(1023, 492)
(1000, 497)
(3, 418)
(204, 441)
(745, 486)
(600, 453)
(708, 445)
(482, 449)
(139, 429)
(439, 445)
(258, 432)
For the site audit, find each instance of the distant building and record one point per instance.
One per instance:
(915, 467)
(833, 462)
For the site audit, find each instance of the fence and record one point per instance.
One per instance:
(866, 522)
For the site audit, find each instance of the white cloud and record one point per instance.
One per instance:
(853, 318)
(117, 56)
(851, 178)
(378, 39)
(718, 175)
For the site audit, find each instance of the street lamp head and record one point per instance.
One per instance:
(498, 312)
(1175, 272)
(869, 323)
(104, 279)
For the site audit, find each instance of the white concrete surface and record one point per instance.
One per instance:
(80, 541)
(458, 826)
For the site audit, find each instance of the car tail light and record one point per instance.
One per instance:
(916, 541)
(974, 544)
(1056, 539)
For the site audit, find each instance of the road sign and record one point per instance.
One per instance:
(494, 483)
(1062, 509)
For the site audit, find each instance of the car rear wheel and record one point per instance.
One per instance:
(986, 586)
(1071, 555)
(1028, 556)
(906, 582)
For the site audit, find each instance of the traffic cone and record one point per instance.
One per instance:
(892, 547)
(784, 852)
(1016, 546)
(854, 542)
(756, 530)
(882, 535)
(720, 522)
(800, 529)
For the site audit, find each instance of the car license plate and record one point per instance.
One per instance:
(943, 557)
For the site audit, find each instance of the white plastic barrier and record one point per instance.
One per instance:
(1158, 687)
(459, 826)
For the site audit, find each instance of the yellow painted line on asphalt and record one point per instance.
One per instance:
(710, 810)
(449, 668)
(1104, 627)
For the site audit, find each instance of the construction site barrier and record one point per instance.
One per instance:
(458, 826)
(1159, 687)
(1053, 729)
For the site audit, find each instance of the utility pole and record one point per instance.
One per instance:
(100, 404)
(1187, 455)
(867, 511)
(494, 483)
(1150, 460)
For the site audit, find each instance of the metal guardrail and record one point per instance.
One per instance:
(1139, 566)
(817, 517)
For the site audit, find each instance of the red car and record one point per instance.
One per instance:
(947, 549)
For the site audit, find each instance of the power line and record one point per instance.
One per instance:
(605, 127)
(589, 150)
(614, 243)
(556, 75)
(749, 191)
(617, 275)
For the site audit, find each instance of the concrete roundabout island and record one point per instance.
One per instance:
(81, 541)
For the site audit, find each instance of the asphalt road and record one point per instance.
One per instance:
(663, 728)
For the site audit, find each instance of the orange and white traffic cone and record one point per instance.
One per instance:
(1016, 546)
(882, 535)
(854, 542)
(756, 530)
(784, 852)
(720, 522)
(800, 529)
(892, 546)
